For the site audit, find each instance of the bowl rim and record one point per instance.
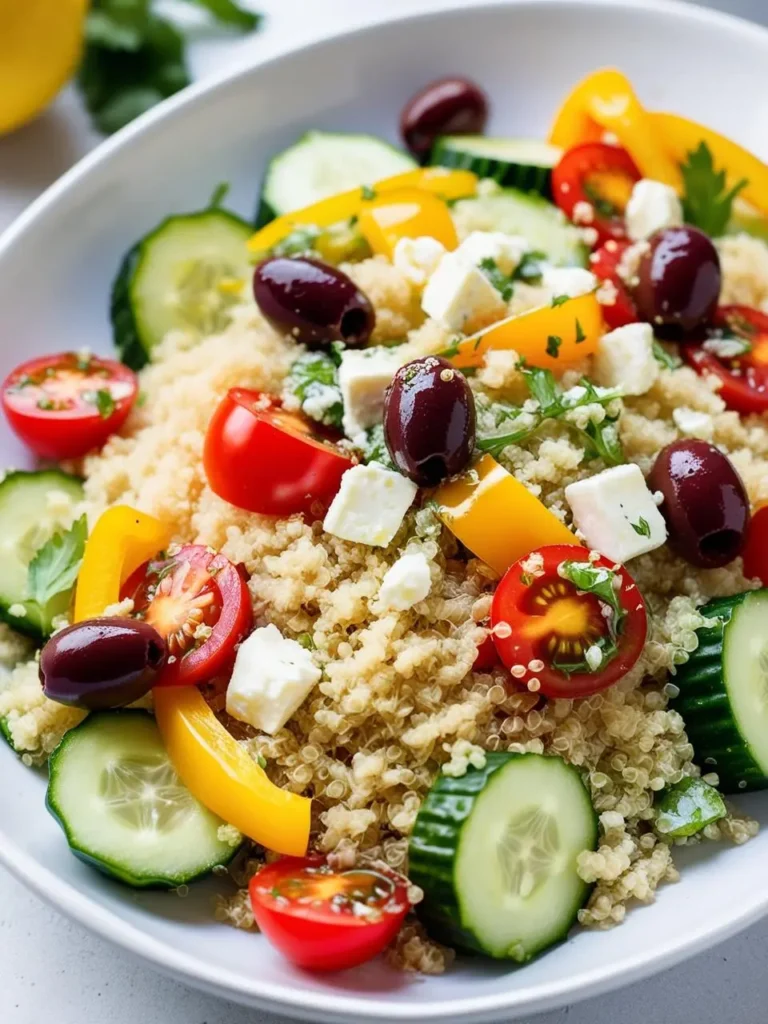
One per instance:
(279, 997)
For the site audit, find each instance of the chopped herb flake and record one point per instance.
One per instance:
(559, 300)
(641, 527)
(553, 346)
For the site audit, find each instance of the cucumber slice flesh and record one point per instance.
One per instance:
(124, 809)
(745, 671)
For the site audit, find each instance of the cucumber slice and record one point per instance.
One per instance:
(184, 274)
(525, 164)
(320, 164)
(516, 213)
(123, 808)
(28, 518)
(495, 853)
(724, 691)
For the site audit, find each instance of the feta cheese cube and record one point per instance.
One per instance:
(418, 257)
(406, 583)
(693, 423)
(506, 251)
(616, 513)
(272, 677)
(652, 206)
(370, 505)
(624, 359)
(570, 281)
(364, 375)
(458, 293)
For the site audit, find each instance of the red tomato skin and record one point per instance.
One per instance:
(65, 434)
(316, 938)
(517, 650)
(570, 174)
(747, 393)
(755, 554)
(487, 656)
(604, 265)
(215, 657)
(252, 461)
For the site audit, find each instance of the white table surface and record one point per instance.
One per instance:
(52, 969)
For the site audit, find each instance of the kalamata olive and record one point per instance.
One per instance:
(314, 302)
(705, 505)
(450, 106)
(429, 420)
(678, 281)
(102, 663)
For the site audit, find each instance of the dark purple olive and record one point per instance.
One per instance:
(102, 663)
(450, 106)
(678, 281)
(314, 302)
(705, 505)
(429, 420)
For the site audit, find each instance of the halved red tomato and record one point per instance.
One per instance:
(602, 176)
(744, 374)
(604, 264)
(487, 656)
(325, 920)
(262, 458)
(755, 553)
(574, 623)
(199, 602)
(63, 406)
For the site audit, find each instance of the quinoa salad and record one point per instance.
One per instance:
(404, 567)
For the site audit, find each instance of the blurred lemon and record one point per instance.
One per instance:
(40, 43)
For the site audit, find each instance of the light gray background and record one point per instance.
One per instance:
(51, 969)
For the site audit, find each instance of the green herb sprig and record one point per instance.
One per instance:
(707, 202)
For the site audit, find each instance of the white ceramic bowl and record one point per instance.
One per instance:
(56, 265)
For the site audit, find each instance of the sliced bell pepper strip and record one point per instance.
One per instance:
(606, 101)
(440, 180)
(224, 778)
(553, 337)
(496, 516)
(122, 540)
(405, 213)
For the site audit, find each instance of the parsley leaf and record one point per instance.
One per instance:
(227, 12)
(559, 300)
(313, 379)
(103, 400)
(706, 203)
(54, 568)
(529, 267)
(368, 193)
(580, 335)
(599, 581)
(665, 359)
(297, 242)
(553, 346)
(641, 527)
(500, 281)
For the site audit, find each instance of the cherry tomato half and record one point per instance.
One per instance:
(604, 264)
(199, 603)
(744, 376)
(323, 920)
(571, 639)
(64, 406)
(487, 656)
(261, 458)
(755, 553)
(600, 175)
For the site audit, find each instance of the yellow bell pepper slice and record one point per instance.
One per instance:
(550, 336)
(224, 778)
(496, 516)
(606, 101)
(121, 541)
(440, 180)
(405, 213)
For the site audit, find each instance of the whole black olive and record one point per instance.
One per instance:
(102, 663)
(312, 301)
(429, 420)
(678, 281)
(450, 106)
(705, 505)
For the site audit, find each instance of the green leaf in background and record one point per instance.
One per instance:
(54, 568)
(229, 13)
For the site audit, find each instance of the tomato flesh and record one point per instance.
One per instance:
(545, 626)
(199, 603)
(66, 405)
(755, 553)
(324, 920)
(264, 459)
(487, 656)
(602, 176)
(604, 264)
(744, 377)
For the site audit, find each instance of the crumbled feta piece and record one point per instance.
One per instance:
(370, 505)
(506, 251)
(615, 513)
(322, 399)
(624, 359)
(418, 257)
(272, 677)
(458, 292)
(406, 583)
(652, 206)
(570, 281)
(364, 376)
(693, 423)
